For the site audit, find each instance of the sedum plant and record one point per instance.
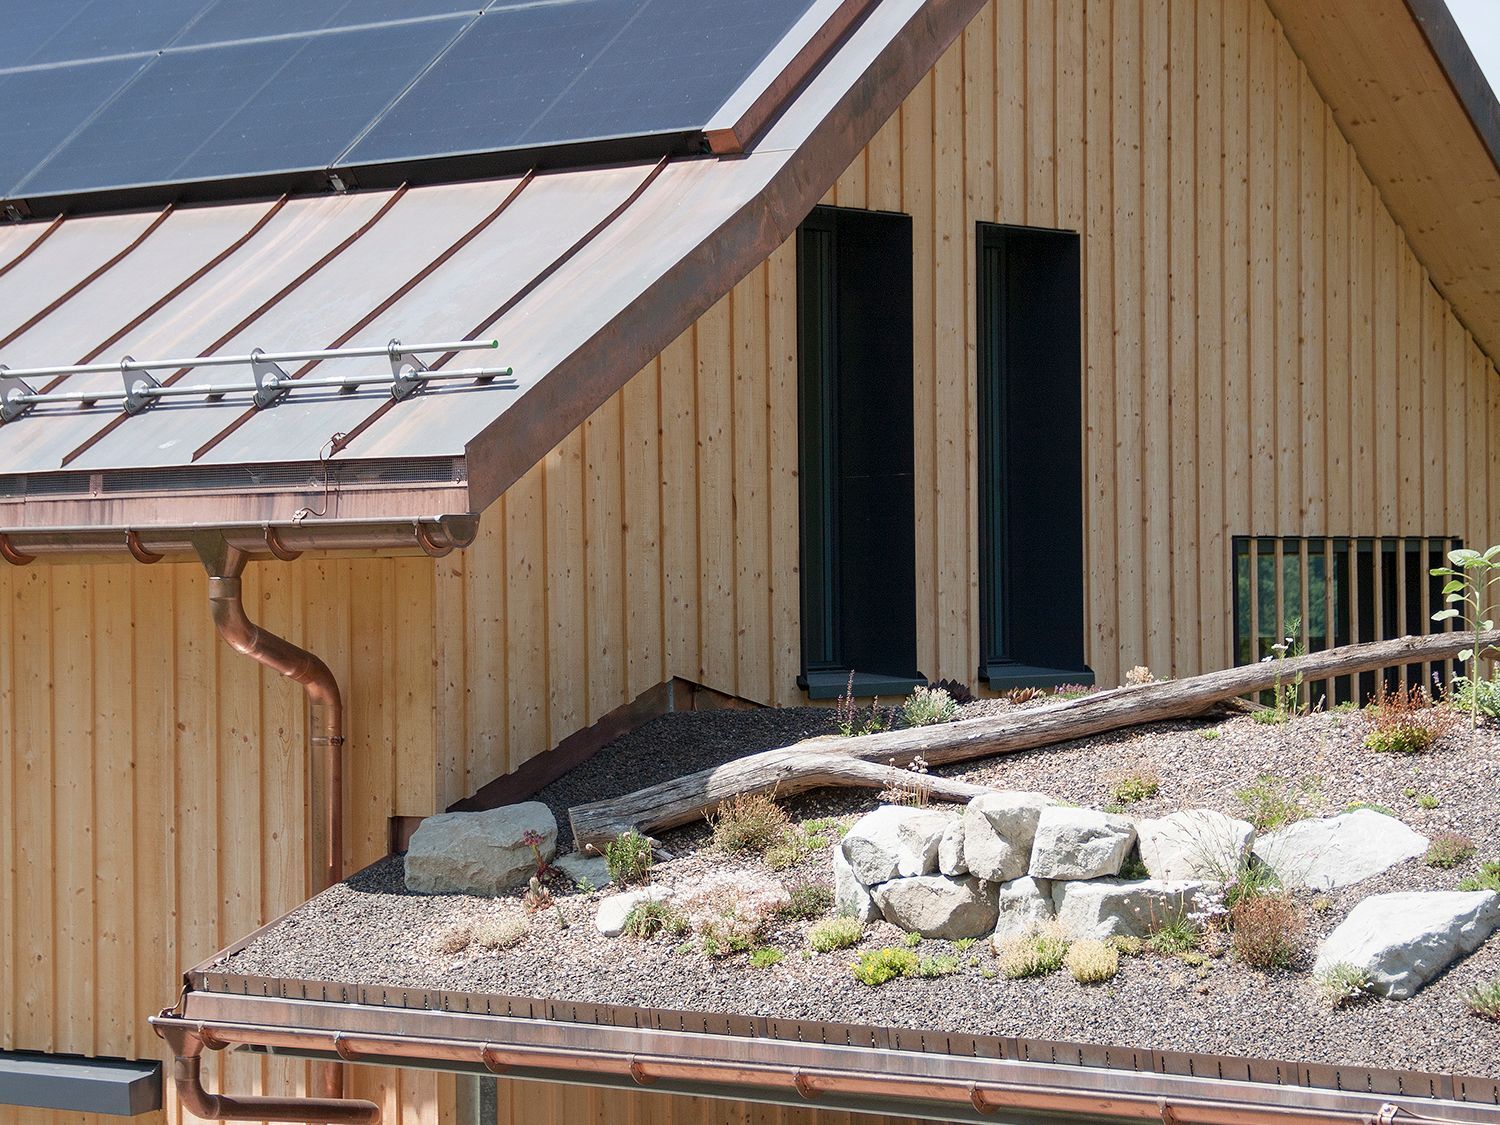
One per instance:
(878, 966)
(836, 933)
(1472, 601)
(1092, 962)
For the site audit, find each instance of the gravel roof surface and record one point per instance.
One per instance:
(370, 930)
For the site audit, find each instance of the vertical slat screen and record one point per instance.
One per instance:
(1325, 592)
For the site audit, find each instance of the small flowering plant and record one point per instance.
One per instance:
(1209, 910)
(533, 840)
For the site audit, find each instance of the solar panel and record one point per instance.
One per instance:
(124, 94)
(245, 108)
(581, 70)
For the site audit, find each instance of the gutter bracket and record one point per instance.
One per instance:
(12, 387)
(403, 367)
(271, 381)
(136, 384)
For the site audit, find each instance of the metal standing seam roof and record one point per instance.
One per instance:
(582, 274)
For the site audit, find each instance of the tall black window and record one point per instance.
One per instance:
(1030, 458)
(854, 328)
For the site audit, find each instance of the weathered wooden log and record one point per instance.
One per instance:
(835, 761)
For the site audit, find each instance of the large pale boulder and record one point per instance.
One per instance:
(1401, 941)
(1102, 908)
(1024, 905)
(951, 849)
(998, 830)
(1331, 852)
(1079, 844)
(936, 906)
(850, 896)
(1194, 844)
(609, 919)
(479, 853)
(894, 841)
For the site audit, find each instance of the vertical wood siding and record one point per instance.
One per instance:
(1263, 355)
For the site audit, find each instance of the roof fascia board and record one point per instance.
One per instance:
(1469, 84)
(116, 1087)
(510, 445)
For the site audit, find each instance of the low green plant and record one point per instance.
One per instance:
(1174, 936)
(1128, 945)
(839, 932)
(749, 823)
(1269, 717)
(938, 965)
(1092, 962)
(1134, 866)
(1321, 904)
(1342, 984)
(655, 916)
(628, 857)
(806, 900)
(911, 940)
(585, 886)
(1066, 692)
(1405, 722)
(1139, 784)
(850, 717)
(499, 933)
(1266, 931)
(928, 706)
(1033, 955)
(1346, 708)
(1447, 850)
(1355, 806)
(1472, 576)
(877, 966)
(1484, 999)
(1478, 697)
(1274, 802)
(963, 944)
(1427, 801)
(765, 957)
(1212, 734)
(1488, 878)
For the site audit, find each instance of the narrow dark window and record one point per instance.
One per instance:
(1030, 458)
(854, 330)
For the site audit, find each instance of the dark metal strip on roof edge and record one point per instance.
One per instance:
(1455, 58)
(556, 405)
(318, 1009)
(118, 1087)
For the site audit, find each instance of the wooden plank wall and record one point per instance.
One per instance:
(1264, 355)
(153, 784)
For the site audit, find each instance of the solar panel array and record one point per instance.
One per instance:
(108, 95)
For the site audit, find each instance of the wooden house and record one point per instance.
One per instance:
(1007, 341)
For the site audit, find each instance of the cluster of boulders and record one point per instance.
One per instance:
(1013, 862)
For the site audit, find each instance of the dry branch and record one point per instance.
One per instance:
(850, 761)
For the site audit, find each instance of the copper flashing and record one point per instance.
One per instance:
(950, 1077)
(47, 232)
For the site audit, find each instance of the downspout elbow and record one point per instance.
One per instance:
(187, 1078)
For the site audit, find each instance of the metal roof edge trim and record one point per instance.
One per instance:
(41, 1080)
(1454, 57)
(446, 1028)
(547, 412)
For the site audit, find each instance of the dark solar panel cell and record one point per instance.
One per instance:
(36, 33)
(228, 20)
(44, 107)
(528, 74)
(244, 109)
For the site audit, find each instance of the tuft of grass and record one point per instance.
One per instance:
(1266, 931)
(1212, 734)
(1033, 955)
(455, 939)
(911, 940)
(938, 965)
(1427, 801)
(1128, 945)
(1488, 878)
(1092, 962)
(963, 944)
(1274, 802)
(1174, 936)
(1484, 1000)
(499, 933)
(1342, 984)
(749, 823)
(806, 900)
(652, 917)
(836, 933)
(1406, 722)
(1447, 850)
(765, 957)
(1269, 717)
(1139, 784)
(628, 857)
(877, 966)
(928, 706)
(1355, 806)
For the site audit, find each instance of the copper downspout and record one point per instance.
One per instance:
(226, 566)
(187, 1067)
(808, 1082)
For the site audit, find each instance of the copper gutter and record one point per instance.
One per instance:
(809, 1083)
(187, 1075)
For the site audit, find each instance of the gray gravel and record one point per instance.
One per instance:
(369, 930)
